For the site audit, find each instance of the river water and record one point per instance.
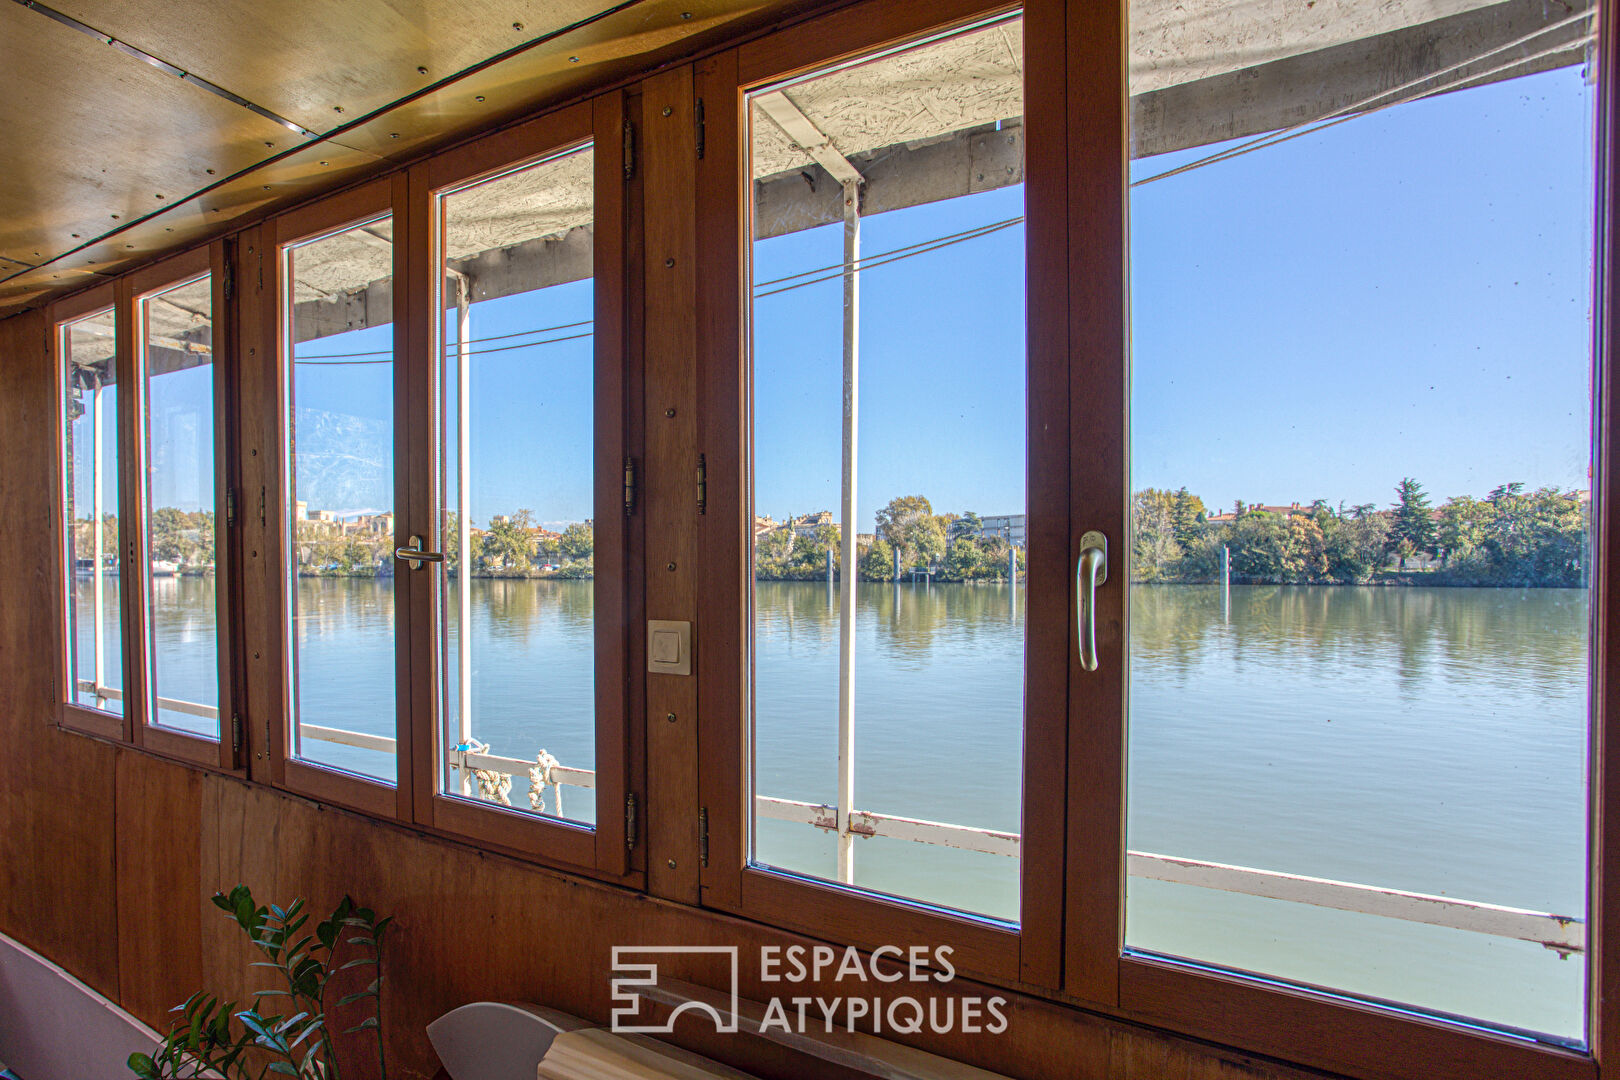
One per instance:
(1422, 739)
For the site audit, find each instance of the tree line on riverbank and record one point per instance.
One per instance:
(1512, 537)
(910, 535)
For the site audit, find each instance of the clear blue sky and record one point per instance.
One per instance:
(1404, 294)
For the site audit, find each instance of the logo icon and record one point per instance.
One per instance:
(630, 975)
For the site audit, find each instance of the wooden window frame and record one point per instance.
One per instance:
(1030, 952)
(218, 751)
(1322, 1029)
(365, 202)
(70, 714)
(600, 850)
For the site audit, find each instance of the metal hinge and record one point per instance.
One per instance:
(236, 736)
(629, 486)
(230, 507)
(230, 280)
(703, 486)
(697, 121)
(629, 821)
(629, 149)
(261, 506)
(703, 835)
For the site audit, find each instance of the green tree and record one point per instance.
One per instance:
(877, 563)
(578, 541)
(909, 525)
(1155, 550)
(1412, 528)
(1187, 516)
(508, 543)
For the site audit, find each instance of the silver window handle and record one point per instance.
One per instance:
(416, 556)
(1092, 572)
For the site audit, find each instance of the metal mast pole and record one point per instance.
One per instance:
(847, 580)
(463, 517)
(97, 509)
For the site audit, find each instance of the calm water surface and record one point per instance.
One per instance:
(1423, 739)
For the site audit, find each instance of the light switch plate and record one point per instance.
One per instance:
(669, 647)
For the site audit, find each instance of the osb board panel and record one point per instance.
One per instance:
(159, 902)
(90, 132)
(56, 806)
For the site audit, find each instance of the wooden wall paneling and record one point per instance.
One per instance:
(258, 409)
(666, 155)
(725, 528)
(158, 867)
(1098, 399)
(56, 804)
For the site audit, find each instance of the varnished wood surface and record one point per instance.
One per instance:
(667, 158)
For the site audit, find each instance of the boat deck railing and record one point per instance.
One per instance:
(1564, 934)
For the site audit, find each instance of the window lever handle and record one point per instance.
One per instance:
(1092, 572)
(416, 556)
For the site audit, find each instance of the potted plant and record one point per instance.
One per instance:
(215, 1038)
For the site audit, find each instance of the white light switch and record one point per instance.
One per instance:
(669, 647)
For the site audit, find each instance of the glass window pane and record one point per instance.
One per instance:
(887, 336)
(517, 381)
(340, 498)
(1361, 258)
(177, 363)
(90, 483)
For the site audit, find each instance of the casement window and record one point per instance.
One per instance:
(897, 744)
(145, 573)
(181, 578)
(322, 446)
(519, 628)
(92, 629)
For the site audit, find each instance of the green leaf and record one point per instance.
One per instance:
(281, 1068)
(365, 1025)
(357, 962)
(143, 1066)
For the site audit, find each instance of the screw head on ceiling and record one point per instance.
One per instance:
(573, 59)
(686, 14)
(269, 146)
(393, 134)
(159, 195)
(210, 172)
(421, 71)
(517, 26)
(337, 108)
(115, 217)
(323, 163)
(75, 236)
(480, 97)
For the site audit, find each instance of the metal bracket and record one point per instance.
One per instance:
(629, 821)
(629, 150)
(703, 485)
(629, 486)
(703, 835)
(697, 123)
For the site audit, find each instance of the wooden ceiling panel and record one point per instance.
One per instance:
(305, 59)
(92, 137)
(88, 131)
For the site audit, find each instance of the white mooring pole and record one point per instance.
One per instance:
(846, 591)
(99, 592)
(464, 518)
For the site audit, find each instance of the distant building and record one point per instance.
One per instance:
(809, 523)
(300, 510)
(1008, 527)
